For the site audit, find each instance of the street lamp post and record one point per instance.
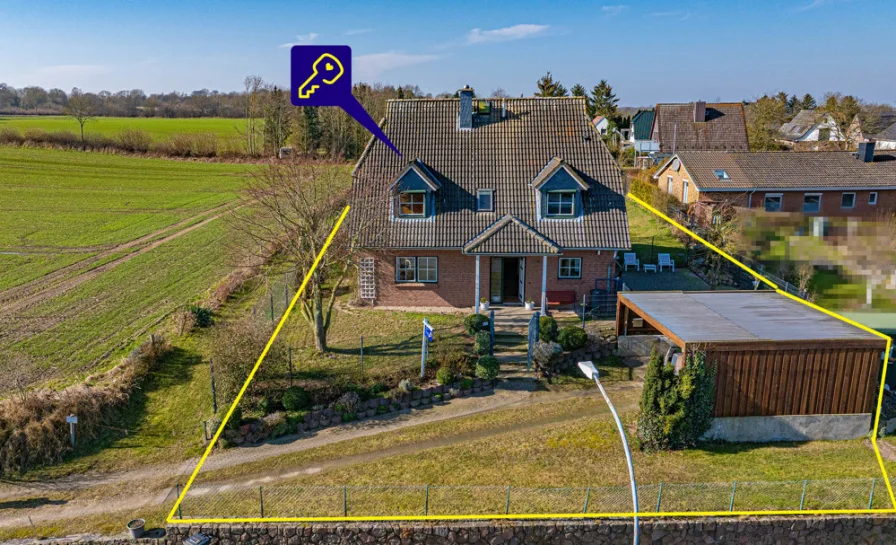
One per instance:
(591, 371)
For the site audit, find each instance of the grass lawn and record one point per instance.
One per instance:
(651, 235)
(159, 128)
(569, 444)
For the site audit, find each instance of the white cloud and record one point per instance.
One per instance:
(613, 10)
(356, 31)
(302, 39)
(515, 32)
(371, 66)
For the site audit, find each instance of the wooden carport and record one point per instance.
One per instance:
(774, 356)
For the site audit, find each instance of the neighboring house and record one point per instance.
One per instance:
(827, 183)
(879, 127)
(602, 124)
(642, 123)
(506, 199)
(784, 371)
(699, 126)
(810, 126)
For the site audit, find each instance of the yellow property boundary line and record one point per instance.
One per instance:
(526, 516)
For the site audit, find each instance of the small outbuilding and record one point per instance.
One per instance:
(784, 370)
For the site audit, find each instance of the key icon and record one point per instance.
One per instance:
(326, 69)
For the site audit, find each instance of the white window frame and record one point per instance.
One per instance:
(430, 260)
(572, 263)
(491, 194)
(844, 194)
(670, 185)
(684, 192)
(872, 198)
(779, 196)
(819, 195)
(414, 267)
(413, 193)
(547, 207)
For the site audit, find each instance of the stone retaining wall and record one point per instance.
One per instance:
(878, 530)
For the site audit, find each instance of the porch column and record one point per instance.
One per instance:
(476, 303)
(544, 284)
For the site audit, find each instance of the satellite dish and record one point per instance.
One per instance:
(676, 165)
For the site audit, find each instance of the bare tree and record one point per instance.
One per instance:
(253, 86)
(295, 207)
(81, 107)
(17, 369)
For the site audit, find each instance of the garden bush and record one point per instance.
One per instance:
(236, 418)
(547, 329)
(483, 343)
(348, 403)
(476, 322)
(274, 425)
(444, 376)
(572, 338)
(295, 399)
(487, 367)
(452, 356)
(134, 140)
(202, 316)
(406, 385)
(264, 405)
(676, 409)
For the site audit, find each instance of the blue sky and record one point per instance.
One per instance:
(650, 51)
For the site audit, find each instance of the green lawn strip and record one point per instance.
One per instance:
(651, 235)
(111, 522)
(159, 128)
(20, 269)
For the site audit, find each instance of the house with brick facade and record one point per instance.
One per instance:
(504, 199)
(823, 183)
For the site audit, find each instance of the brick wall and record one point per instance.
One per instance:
(456, 286)
(678, 179)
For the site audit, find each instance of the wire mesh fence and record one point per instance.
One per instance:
(301, 501)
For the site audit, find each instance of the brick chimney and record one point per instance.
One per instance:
(699, 111)
(465, 114)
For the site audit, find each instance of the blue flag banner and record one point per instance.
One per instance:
(427, 331)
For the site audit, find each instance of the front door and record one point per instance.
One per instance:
(496, 280)
(511, 282)
(507, 280)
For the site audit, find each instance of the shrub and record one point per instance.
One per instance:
(236, 418)
(202, 316)
(274, 425)
(488, 367)
(483, 343)
(134, 139)
(295, 399)
(476, 322)
(466, 384)
(453, 357)
(572, 338)
(676, 409)
(546, 354)
(348, 403)
(34, 134)
(378, 388)
(547, 329)
(444, 376)
(405, 385)
(9, 135)
(265, 406)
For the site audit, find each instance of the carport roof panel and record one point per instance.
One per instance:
(740, 316)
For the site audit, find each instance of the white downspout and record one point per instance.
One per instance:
(476, 303)
(544, 284)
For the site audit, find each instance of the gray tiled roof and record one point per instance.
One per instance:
(801, 123)
(725, 127)
(509, 235)
(504, 154)
(789, 169)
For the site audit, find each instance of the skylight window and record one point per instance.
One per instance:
(722, 174)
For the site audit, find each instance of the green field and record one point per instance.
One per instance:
(67, 219)
(159, 128)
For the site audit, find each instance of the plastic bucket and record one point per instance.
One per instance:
(136, 528)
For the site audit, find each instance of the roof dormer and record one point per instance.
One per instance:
(559, 191)
(413, 192)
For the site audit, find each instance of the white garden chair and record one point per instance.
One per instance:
(665, 260)
(631, 259)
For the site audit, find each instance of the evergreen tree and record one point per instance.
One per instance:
(578, 90)
(547, 87)
(400, 93)
(603, 100)
(794, 105)
(808, 102)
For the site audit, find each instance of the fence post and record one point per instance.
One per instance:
(361, 361)
(211, 372)
(733, 492)
(587, 499)
(426, 505)
(285, 291)
(491, 332)
(205, 429)
(345, 501)
(261, 502)
(180, 514)
(272, 307)
(659, 499)
(871, 496)
(507, 505)
(803, 497)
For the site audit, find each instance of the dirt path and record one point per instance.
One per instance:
(513, 394)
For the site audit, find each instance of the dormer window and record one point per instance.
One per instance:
(485, 200)
(560, 204)
(412, 204)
